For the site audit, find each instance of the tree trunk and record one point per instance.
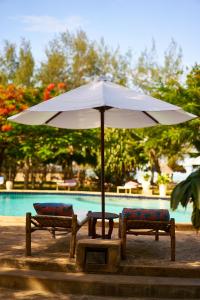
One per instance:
(26, 173)
(43, 176)
(67, 169)
(155, 166)
(32, 178)
(2, 150)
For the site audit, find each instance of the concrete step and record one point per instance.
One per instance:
(12, 294)
(100, 285)
(187, 270)
(40, 264)
(162, 270)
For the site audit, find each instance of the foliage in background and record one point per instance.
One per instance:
(72, 60)
(188, 191)
(17, 68)
(163, 179)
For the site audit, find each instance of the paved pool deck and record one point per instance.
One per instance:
(144, 255)
(141, 250)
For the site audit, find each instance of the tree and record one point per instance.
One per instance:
(163, 81)
(25, 65)
(11, 102)
(12, 136)
(149, 75)
(192, 100)
(172, 67)
(54, 69)
(16, 69)
(74, 60)
(123, 155)
(8, 63)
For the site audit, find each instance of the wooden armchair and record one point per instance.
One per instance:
(53, 224)
(145, 222)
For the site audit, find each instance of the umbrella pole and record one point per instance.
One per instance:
(102, 110)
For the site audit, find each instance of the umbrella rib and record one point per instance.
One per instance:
(50, 119)
(152, 118)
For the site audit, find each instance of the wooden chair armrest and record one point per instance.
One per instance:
(85, 220)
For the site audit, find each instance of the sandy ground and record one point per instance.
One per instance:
(6, 294)
(140, 249)
(24, 295)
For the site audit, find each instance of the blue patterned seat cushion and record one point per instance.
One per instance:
(146, 214)
(54, 209)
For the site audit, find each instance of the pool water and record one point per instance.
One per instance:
(17, 204)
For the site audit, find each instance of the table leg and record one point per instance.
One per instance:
(110, 230)
(90, 226)
(93, 227)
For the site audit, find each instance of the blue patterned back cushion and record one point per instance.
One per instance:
(146, 214)
(54, 209)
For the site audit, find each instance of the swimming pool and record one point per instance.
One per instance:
(17, 204)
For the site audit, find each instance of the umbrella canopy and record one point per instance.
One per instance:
(124, 108)
(98, 104)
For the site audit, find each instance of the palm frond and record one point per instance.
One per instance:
(196, 218)
(195, 187)
(181, 194)
(186, 191)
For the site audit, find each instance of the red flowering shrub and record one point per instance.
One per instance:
(47, 95)
(23, 107)
(3, 111)
(61, 85)
(53, 90)
(6, 127)
(51, 86)
(11, 107)
(12, 101)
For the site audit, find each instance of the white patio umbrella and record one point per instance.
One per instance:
(102, 104)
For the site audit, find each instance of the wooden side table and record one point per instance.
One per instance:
(98, 255)
(93, 217)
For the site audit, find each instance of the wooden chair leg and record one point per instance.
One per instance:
(173, 240)
(157, 235)
(123, 239)
(120, 225)
(28, 234)
(73, 237)
(72, 245)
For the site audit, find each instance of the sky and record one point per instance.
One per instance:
(129, 24)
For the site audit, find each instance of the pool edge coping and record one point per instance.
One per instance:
(179, 226)
(112, 194)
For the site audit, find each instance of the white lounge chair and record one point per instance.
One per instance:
(127, 188)
(1, 180)
(66, 183)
